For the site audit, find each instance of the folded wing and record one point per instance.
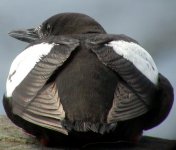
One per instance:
(36, 98)
(138, 75)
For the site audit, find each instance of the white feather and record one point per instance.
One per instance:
(24, 63)
(138, 56)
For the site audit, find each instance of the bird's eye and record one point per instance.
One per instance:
(48, 27)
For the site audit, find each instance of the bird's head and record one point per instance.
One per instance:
(60, 24)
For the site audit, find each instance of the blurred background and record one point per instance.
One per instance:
(151, 23)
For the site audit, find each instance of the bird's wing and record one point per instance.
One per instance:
(45, 109)
(36, 98)
(126, 104)
(137, 70)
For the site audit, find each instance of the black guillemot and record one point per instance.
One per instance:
(76, 84)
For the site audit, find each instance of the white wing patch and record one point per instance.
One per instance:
(24, 63)
(138, 56)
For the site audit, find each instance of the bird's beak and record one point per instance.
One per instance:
(28, 35)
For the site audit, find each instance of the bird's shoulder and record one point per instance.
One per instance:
(89, 40)
(99, 39)
(57, 40)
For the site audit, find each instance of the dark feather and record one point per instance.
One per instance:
(134, 90)
(32, 103)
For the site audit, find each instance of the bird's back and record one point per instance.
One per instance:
(86, 87)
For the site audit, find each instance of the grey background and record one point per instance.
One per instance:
(152, 23)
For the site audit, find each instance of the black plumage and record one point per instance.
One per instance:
(81, 88)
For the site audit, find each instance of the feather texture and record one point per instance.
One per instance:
(135, 93)
(126, 105)
(36, 101)
(140, 58)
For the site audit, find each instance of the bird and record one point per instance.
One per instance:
(75, 84)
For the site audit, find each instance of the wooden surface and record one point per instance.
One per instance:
(13, 138)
